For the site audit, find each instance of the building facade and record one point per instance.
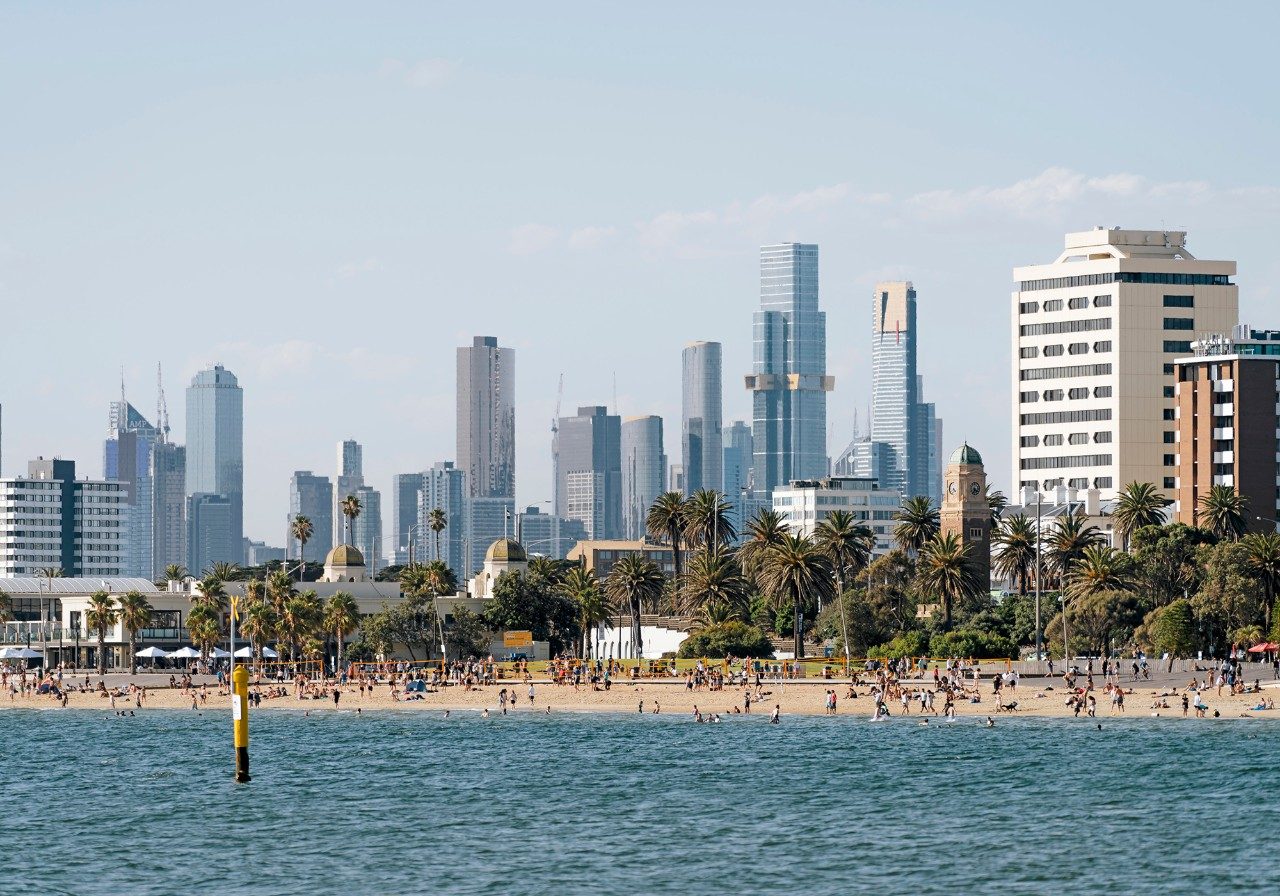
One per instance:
(702, 418)
(349, 479)
(215, 459)
(548, 534)
(788, 379)
(1095, 335)
(644, 471)
(209, 526)
(589, 465)
(487, 520)
(368, 526)
(804, 503)
(126, 458)
(310, 496)
(965, 511)
(443, 488)
(168, 507)
(405, 495)
(51, 520)
(486, 431)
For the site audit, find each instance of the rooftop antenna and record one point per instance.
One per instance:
(162, 407)
(616, 410)
(555, 451)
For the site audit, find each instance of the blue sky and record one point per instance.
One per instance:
(330, 198)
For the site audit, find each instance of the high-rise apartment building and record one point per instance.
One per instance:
(487, 520)
(405, 489)
(209, 526)
(486, 431)
(215, 460)
(126, 458)
(50, 519)
(310, 496)
(589, 465)
(547, 534)
(736, 482)
(1227, 411)
(168, 507)
(349, 479)
(443, 488)
(644, 471)
(702, 443)
(1095, 336)
(789, 378)
(368, 526)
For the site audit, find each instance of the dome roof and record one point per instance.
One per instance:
(966, 455)
(505, 550)
(344, 555)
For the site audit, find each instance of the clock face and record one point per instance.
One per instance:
(952, 488)
(974, 488)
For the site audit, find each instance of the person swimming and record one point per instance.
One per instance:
(991, 723)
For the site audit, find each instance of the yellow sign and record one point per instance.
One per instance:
(517, 639)
(235, 603)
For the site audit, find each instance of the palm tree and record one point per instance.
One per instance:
(302, 529)
(1015, 555)
(795, 570)
(581, 586)
(100, 616)
(847, 544)
(1223, 511)
(997, 502)
(351, 509)
(258, 623)
(1067, 542)
(947, 570)
(175, 572)
(6, 607)
(298, 622)
(211, 593)
(280, 589)
(222, 570)
(1139, 505)
(204, 626)
(634, 582)
(764, 532)
(341, 616)
(49, 572)
(665, 523)
(1263, 558)
(437, 522)
(1101, 568)
(706, 519)
(135, 615)
(714, 577)
(917, 524)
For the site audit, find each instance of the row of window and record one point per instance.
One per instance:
(1177, 346)
(1126, 277)
(1064, 462)
(1065, 326)
(1098, 482)
(1075, 348)
(1179, 323)
(1179, 301)
(1089, 416)
(1076, 438)
(1053, 373)
(1075, 394)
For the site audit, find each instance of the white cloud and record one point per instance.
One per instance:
(352, 268)
(423, 73)
(529, 239)
(591, 237)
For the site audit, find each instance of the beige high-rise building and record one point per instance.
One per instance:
(1095, 335)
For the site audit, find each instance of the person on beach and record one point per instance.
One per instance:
(531, 693)
(776, 714)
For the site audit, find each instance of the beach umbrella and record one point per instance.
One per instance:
(151, 653)
(183, 653)
(26, 653)
(8, 653)
(267, 653)
(219, 654)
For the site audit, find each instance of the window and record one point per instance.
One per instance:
(1102, 482)
(1102, 301)
(1028, 307)
(1053, 373)
(1168, 438)
(1101, 391)
(1053, 395)
(1102, 346)
(1173, 346)
(1168, 413)
(1078, 348)
(1031, 352)
(1168, 391)
(1065, 326)
(1066, 417)
(1125, 277)
(1052, 351)
(1168, 370)
(1179, 301)
(1169, 460)
(1030, 396)
(1029, 441)
(1054, 439)
(1078, 438)
(1077, 393)
(1179, 323)
(1077, 304)
(1066, 462)
(1078, 483)
(1053, 305)
(975, 532)
(1169, 482)
(1102, 437)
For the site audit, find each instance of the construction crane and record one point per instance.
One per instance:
(555, 451)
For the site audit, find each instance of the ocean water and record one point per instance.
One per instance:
(411, 803)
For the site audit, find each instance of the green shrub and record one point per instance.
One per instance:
(727, 639)
(906, 644)
(972, 642)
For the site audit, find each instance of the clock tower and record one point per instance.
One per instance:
(965, 511)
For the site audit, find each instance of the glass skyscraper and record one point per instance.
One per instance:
(404, 512)
(486, 430)
(644, 472)
(443, 488)
(589, 470)
(789, 370)
(703, 416)
(311, 496)
(350, 478)
(215, 465)
(126, 457)
(368, 526)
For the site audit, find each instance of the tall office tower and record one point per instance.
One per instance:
(487, 520)
(703, 416)
(486, 432)
(895, 417)
(590, 471)
(350, 477)
(310, 496)
(644, 472)
(547, 534)
(1095, 335)
(368, 527)
(1228, 417)
(168, 507)
(51, 519)
(215, 460)
(789, 371)
(126, 457)
(736, 481)
(404, 513)
(926, 440)
(443, 488)
(209, 524)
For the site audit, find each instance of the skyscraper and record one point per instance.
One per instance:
(644, 471)
(311, 496)
(737, 481)
(168, 507)
(487, 520)
(209, 525)
(350, 476)
(368, 526)
(486, 431)
(703, 417)
(443, 488)
(590, 471)
(126, 458)
(1095, 337)
(789, 378)
(404, 512)
(215, 461)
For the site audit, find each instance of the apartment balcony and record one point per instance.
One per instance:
(1228, 479)
(1226, 432)
(1224, 410)
(1224, 385)
(1224, 457)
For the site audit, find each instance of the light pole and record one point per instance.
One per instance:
(1039, 574)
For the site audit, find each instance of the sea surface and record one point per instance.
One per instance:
(409, 802)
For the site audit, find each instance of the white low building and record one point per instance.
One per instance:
(807, 502)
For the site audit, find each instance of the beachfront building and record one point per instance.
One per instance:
(601, 554)
(1095, 337)
(807, 502)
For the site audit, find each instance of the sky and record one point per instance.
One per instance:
(330, 198)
